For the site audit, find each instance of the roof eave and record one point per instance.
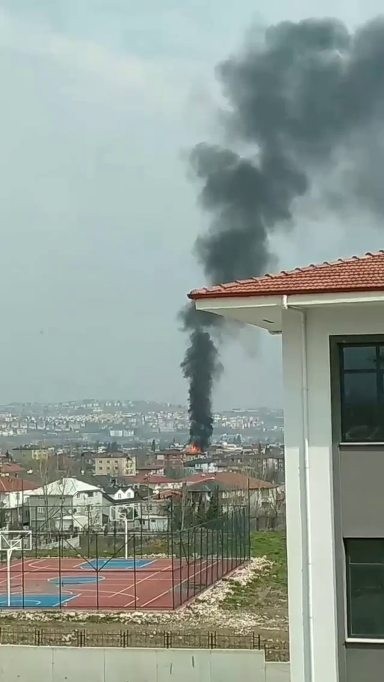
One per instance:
(266, 311)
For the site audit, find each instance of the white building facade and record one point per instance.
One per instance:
(66, 503)
(331, 318)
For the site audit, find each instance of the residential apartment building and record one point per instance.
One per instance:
(114, 464)
(332, 325)
(32, 452)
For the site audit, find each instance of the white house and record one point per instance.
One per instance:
(14, 492)
(123, 494)
(123, 507)
(155, 523)
(66, 503)
(331, 318)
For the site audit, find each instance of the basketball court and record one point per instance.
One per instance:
(103, 583)
(79, 584)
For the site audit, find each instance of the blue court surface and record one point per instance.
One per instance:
(76, 580)
(116, 564)
(35, 601)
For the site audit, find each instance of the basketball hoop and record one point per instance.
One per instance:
(11, 541)
(121, 515)
(18, 540)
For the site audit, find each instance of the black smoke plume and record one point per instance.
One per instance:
(307, 101)
(201, 366)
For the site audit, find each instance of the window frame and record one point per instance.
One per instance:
(350, 637)
(339, 344)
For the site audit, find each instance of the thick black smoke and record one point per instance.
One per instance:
(307, 101)
(201, 366)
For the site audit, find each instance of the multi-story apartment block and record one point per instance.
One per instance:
(114, 464)
(39, 454)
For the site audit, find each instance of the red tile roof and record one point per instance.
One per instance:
(237, 480)
(10, 468)
(230, 479)
(148, 479)
(149, 467)
(10, 485)
(359, 273)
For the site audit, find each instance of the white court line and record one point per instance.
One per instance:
(32, 562)
(193, 575)
(138, 582)
(162, 593)
(17, 563)
(13, 576)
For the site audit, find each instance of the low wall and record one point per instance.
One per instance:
(68, 664)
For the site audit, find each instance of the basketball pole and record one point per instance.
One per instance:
(125, 537)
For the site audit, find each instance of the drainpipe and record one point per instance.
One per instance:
(304, 478)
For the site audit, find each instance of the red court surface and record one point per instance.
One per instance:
(77, 583)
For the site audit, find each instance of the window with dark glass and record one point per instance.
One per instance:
(365, 588)
(362, 392)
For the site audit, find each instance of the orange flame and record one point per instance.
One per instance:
(193, 450)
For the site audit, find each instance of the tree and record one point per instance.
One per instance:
(176, 472)
(214, 505)
(3, 516)
(49, 474)
(201, 512)
(183, 512)
(112, 447)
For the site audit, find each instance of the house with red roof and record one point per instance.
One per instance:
(237, 488)
(331, 320)
(14, 494)
(10, 469)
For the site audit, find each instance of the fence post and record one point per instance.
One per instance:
(60, 552)
(80, 636)
(181, 568)
(97, 570)
(211, 640)
(172, 559)
(134, 570)
(188, 559)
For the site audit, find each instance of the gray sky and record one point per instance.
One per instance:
(101, 99)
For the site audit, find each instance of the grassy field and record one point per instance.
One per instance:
(273, 546)
(265, 595)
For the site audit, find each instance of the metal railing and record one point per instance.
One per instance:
(125, 638)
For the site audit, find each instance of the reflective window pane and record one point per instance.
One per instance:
(359, 357)
(366, 551)
(365, 580)
(361, 411)
(360, 388)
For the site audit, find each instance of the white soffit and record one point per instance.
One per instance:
(266, 311)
